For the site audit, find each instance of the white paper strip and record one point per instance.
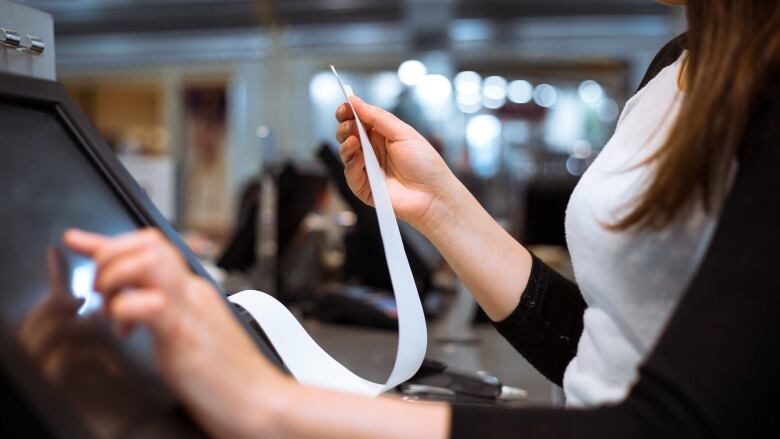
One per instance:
(305, 359)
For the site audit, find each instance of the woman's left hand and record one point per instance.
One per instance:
(145, 281)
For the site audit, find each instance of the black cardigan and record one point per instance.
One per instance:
(712, 373)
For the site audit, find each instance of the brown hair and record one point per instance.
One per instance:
(733, 53)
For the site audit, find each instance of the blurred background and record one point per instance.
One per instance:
(223, 111)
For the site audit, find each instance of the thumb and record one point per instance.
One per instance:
(383, 121)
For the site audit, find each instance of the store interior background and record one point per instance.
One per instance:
(201, 98)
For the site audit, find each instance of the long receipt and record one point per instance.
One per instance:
(305, 359)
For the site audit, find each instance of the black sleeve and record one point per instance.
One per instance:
(665, 57)
(547, 323)
(713, 372)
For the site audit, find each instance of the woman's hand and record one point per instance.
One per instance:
(493, 266)
(213, 365)
(203, 352)
(418, 180)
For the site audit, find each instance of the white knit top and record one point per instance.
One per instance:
(631, 281)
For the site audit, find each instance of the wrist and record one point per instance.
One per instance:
(443, 208)
(269, 403)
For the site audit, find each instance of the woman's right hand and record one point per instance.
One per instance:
(418, 180)
(203, 352)
(425, 194)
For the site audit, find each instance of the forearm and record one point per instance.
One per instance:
(308, 412)
(491, 264)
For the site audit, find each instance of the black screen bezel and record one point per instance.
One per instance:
(52, 97)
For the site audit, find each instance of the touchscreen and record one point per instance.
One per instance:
(48, 311)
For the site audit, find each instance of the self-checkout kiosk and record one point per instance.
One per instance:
(63, 371)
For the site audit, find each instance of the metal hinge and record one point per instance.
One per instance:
(27, 43)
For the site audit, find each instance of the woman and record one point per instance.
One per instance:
(673, 234)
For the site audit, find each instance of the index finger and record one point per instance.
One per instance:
(86, 243)
(115, 247)
(386, 123)
(344, 113)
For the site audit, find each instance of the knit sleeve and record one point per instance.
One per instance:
(547, 323)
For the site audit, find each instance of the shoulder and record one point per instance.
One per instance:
(766, 104)
(665, 57)
(769, 93)
(759, 146)
(763, 126)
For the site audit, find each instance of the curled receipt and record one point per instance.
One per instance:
(305, 359)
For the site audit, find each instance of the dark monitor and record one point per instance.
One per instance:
(62, 368)
(365, 255)
(299, 187)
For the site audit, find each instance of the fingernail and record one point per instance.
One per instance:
(71, 234)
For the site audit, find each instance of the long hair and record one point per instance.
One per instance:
(733, 54)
